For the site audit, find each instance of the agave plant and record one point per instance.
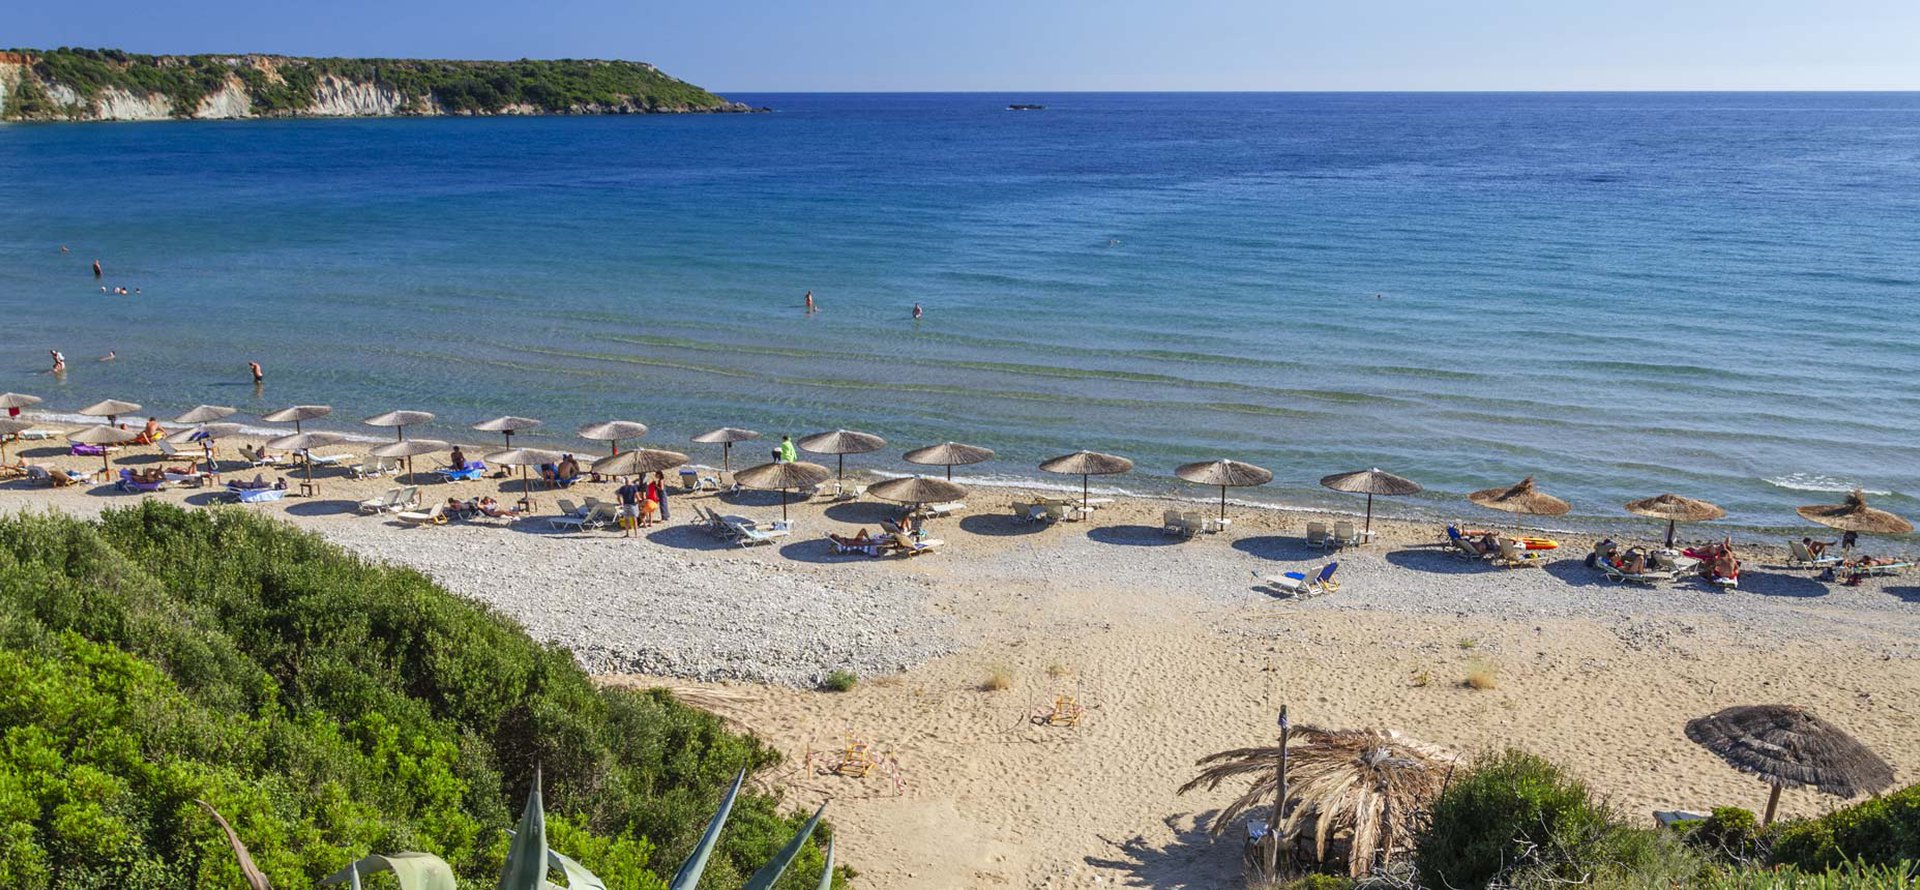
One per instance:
(1366, 790)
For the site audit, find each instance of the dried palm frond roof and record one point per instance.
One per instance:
(1373, 481)
(1521, 498)
(1792, 748)
(783, 475)
(842, 442)
(917, 490)
(1673, 507)
(1856, 516)
(948, 454)
(1088, 463)
(1228, 472)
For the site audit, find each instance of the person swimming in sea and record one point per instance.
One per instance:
(110, 356)
(96, 268)
(917, 312)
(59, 362)
(811, 309)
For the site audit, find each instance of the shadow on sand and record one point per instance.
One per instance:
(318, 507)
(687, 536)
(999, 525)
(1439, 562)
(1193, 860)
(1290, 548)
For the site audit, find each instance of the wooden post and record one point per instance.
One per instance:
(1773, 803)
(1279, 799)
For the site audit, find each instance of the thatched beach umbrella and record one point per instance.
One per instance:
(1371, 482)
(297, 415)
(1372, 787)
(305, 443)
(17, 400)
(842, 443)
(917, 490)
(406, 449)
(1791, 748)
(1856, 516)
(725, 437)
(783, 476)
(611, 432)
(949, 455)
(1086, 464)
(507, 425)
(639, 462)
(111, 409)
(1675, 509)
(1521, 499)
(524, 458)
(103, 435)
(1225, 473)
(205, 414)
(400, 420)
(206, 434)
(11, 426)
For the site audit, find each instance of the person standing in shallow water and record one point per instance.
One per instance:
(810, 306)
(258, 375)
(96, 268)
(917, 311)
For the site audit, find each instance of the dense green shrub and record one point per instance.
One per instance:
(840, 680)
(1730, 834)
(1876, 877)
(328, 708)
(1520, 819)
(1881, 831)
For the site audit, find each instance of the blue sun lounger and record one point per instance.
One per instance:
(473, 470)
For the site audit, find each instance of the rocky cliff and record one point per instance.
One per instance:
(93, 85)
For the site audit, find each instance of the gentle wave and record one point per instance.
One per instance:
(1819, 482)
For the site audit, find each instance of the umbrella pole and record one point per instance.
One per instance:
(1086, 503)
(949, 472)
(1369, 514)
(841, 474)
(726, 457)
(1670, 524)
(783, 505)
(1773, 802)
(1223, 502)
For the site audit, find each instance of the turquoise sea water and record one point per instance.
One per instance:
(1712, 294)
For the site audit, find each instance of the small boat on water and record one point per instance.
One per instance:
(1026, 108)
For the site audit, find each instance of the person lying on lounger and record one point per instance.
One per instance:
(1634, 562)
(860, 539)
(491, 508)
(1723, 568)
(153, 474)
(1864, 561)
(1816, 548)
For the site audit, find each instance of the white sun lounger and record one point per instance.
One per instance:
(747, 533)
(1798, 556)
(435, 516)
(393, 500)
(600, 515)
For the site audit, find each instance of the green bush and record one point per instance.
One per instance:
(1874, 877)
(1730, 834)
(1519, 819)
(1881, 831)
(329, 708)
(840, 680)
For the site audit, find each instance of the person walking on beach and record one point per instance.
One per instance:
(810, 307)
(258, 375)
(660, 494)
(787, 454)
(629, 497)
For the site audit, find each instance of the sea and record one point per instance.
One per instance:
(1617, 294)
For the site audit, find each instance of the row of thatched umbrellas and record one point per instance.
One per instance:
(1523, 498)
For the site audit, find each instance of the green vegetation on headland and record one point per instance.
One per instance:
(329, 709)
(67, 83)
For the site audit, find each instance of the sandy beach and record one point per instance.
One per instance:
(1171, 646)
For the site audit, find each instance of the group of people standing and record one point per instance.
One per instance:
(643, 501)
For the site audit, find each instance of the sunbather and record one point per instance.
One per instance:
(151, 433)
(149, 475)
(491, 508)
(1816, 548)
(859, 539)
(1634, 562)
(458, 461)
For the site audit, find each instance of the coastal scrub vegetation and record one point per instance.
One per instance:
(329, 709)
(287, 85)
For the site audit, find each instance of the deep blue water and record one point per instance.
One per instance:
(1622, 294)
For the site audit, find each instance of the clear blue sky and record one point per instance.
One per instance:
(775, 45)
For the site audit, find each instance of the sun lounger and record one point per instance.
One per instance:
(393, 500)
(873, 547)
(747, 533)
(13, 471)
(327, 460)
(599, 515)
(128, 483)
(473, 470)
(569, 508)
(1172, 523)
(192, 480)
(1300, 584)
(1878, 569)
(904, 545)
(1317, 536)
(843, 492)
(1345, 536)
(1799, 557)
(256, 495)
(435, 516)
(1653, 574)
(82, 449)
(260, 458)
(1512, 557)
(697, 478)
(935, 511)
(37, 435)
(166, 448)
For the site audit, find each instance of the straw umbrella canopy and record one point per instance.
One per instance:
(111, 409)
(1371, 482)
(1789, 747)
(1086, 464)
(507, 426)
(18, 400)
(842, 443)
(612, 431)
(523, 458)
(305, 443)
(1675, 509)
(400, 420)
(10, 426)
(725, 437)
(949, 455)
(783, 476)
(1226, 473)
(639, 462)
(1856, 516)
(103, 435)
(206, 434)
(297, 415)
(1522, 499)
(406, 449)
(917, 490)
(205, 414)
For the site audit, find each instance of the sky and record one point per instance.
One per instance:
(1043, 45)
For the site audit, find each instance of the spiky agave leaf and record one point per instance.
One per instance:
(1372, 787)
(764, 878)
(578, 878)
(526, 866)
(256, 879)
(415, 871)
(689, 875)
(826, 874)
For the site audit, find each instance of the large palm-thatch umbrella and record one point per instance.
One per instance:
(949, 455)
(507, 425)
(103, 436)
(1371, 482)
(1226, 473)
(400, 420)
(10, 427)
(111, 409)
(1856, 516)
(783, 476)
(917, 490)
(407, 449)
(842, 443)
(305, 443)
(1675, 509)
(1791, 748)
(1366, 790)
(611, 432)
(1521, 499)
(206, 434)
(1086, 464)
(725, 437)
(524, 458)
(17, 400)
(297, 415)
(200, 414)
(639, 462)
